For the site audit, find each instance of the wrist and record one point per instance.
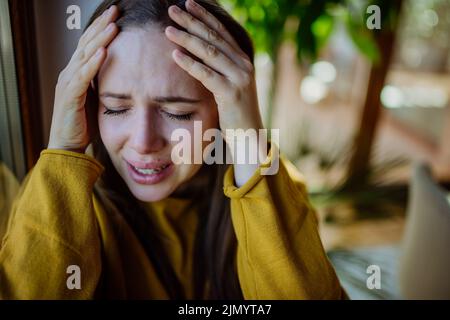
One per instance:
(52, 146)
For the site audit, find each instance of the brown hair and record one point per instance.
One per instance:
(215, 274)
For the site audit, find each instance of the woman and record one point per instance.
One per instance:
(126, 221)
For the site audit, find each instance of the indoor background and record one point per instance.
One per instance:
(363, 113)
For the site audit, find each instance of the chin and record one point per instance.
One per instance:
(154, 189)
(150, 193)
(153, 192)
(162, 189)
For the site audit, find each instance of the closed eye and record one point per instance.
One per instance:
(180, 117)
(114, 112)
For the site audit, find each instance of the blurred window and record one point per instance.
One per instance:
(417, 92)
(12, 160)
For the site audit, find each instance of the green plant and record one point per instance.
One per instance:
(308, 24)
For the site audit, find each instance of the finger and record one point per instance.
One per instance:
(102, 40)
(99, 25)
(212, 22)
(212, 81)
(82, 55)
(199, 29)
(83, 77)
(205, 51)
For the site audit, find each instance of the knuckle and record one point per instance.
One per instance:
(81, 54)
(244, 79)
(211, 50)
(206, 73)
(212, 35)
(202, 10)
(190, 18)
(219, 27)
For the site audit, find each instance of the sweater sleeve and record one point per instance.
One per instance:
(52, 239)
(280, 254)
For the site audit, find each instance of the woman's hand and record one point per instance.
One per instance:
(226, 72)
(69, 129)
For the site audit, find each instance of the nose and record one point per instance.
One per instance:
(145, 137)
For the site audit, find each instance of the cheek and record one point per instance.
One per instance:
(110, 133)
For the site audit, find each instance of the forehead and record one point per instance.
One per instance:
(140, 62)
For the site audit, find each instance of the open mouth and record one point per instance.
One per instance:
(148, 176)
(149, 171)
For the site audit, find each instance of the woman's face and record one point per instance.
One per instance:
(144, 96)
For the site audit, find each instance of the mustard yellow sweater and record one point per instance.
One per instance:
(57, 222)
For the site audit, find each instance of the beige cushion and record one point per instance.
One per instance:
(424, 266)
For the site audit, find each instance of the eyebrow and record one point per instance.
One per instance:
(169, 99)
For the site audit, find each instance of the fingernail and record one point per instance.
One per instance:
(171, 30)
(193, 3)
(178, 54)
(175, 9)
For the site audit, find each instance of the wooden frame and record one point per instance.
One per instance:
(24, 39)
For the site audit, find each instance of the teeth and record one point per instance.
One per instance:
(149, 171)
